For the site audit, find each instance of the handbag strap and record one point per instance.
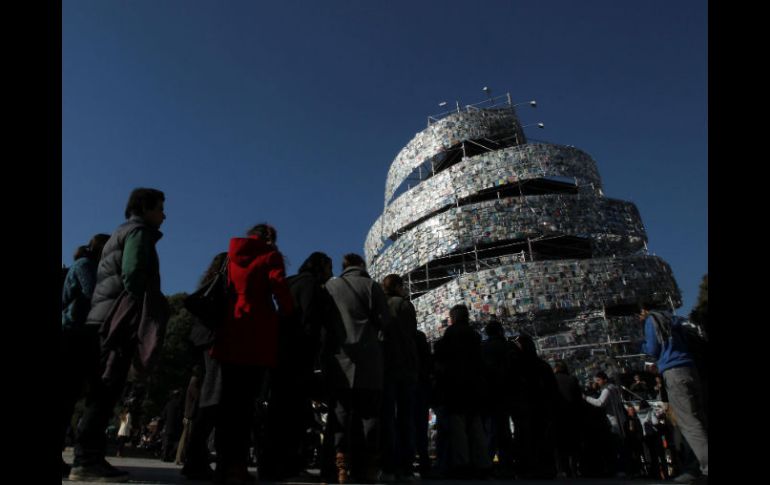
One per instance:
(221, 273)
(223, 269)
(358, 295)
(373, 319)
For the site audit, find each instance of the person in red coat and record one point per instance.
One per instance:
(246, 343)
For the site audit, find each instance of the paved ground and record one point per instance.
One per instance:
(144, 470)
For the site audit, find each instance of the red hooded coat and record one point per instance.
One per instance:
(249, 333)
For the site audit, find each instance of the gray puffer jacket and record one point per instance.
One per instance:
(109, 278)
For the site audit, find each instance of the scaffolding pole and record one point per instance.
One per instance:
(409, 280)
(529, 245)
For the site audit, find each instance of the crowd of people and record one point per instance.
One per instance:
(312, 370)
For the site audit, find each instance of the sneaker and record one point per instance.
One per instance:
(100, 472)
(65, 469)
(685, 478)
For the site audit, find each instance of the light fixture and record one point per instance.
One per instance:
(539, 125)
(532, 103)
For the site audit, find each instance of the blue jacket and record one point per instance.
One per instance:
(76, 294)
(672, 352)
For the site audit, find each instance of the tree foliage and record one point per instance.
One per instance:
(699, 314)
(174, 367)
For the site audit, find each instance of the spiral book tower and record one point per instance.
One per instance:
(520, 232)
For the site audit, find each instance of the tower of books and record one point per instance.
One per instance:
(519, 232)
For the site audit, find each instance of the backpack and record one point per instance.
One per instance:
(697, 344)
(695, 339)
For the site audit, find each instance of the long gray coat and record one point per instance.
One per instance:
(356, 354)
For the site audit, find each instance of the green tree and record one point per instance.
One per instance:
(699, 314)
(177, 358)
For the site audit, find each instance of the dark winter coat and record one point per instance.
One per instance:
(401, 361)
(459, 368)
(355, 357)
(496, 354)
(535, 388)
(425, 359)
(300, 336)
(570, 394)
(313, 308)
(569, 409)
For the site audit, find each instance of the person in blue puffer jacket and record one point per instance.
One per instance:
(76, 302)
(80, 282)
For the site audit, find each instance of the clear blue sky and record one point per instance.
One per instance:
(291, 112)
